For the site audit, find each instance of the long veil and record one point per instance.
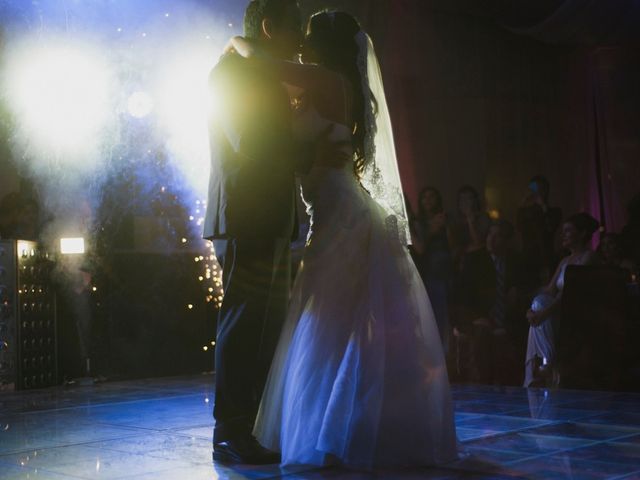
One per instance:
(381, 176)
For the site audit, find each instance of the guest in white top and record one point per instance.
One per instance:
(540, 367)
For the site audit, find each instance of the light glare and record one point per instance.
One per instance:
(60, 95)
(184, 104)
(140, 104)
(70, 246)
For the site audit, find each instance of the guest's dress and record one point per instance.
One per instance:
(541, 342)
(436, 269)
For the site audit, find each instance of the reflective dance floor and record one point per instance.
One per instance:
(161, 429)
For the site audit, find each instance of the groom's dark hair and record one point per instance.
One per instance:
(258, 10)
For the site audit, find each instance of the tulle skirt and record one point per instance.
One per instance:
(359, 376)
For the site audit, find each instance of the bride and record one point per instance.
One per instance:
(359, 376)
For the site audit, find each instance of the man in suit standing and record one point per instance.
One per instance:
(538, 223)
(251, 219)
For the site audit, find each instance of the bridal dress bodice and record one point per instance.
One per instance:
(332, 194)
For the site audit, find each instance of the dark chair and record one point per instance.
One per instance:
(594, 344)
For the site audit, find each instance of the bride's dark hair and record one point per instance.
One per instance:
(332, 36)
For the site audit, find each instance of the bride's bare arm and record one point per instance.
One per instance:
(329, 91)
(242, 46)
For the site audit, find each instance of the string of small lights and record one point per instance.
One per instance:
(210, 273)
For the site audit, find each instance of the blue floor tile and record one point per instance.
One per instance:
(610, 452)
(501, 423)
(465, 416)
(603, 404)
(467, 434)
(582, 430)
(483, 407)
(564, 466)
(553, 414)
(615, 418)
(528, 444)
(634, 439)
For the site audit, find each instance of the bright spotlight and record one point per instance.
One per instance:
(140, 104)
(60, 96)
(185, 96)
(184, 103)
(70, 246)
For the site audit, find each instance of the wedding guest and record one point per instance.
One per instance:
(470, 227)
(431, 242)
(540, 366)
(499, 283)
(512, 278)
(630, 235)
(612, 254)
(537, 224)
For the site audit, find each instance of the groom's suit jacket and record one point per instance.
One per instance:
(253, 155)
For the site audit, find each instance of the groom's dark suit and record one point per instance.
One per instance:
(251, 219)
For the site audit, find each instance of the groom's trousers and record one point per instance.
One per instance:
(256, 280)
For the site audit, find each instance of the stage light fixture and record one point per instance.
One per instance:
(72, 246)
(24, 249)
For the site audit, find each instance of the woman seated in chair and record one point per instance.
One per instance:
(540, 368)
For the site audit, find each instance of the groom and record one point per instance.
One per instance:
(251, 218)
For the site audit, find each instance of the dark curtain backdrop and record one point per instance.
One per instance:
(492, 92)
(615, 83)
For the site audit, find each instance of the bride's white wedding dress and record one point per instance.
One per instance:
(359, 376)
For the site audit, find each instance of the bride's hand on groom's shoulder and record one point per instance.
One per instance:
(242, 46)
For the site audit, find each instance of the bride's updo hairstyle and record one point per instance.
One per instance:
(332, 37)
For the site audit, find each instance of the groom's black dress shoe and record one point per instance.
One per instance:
(246, 451)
